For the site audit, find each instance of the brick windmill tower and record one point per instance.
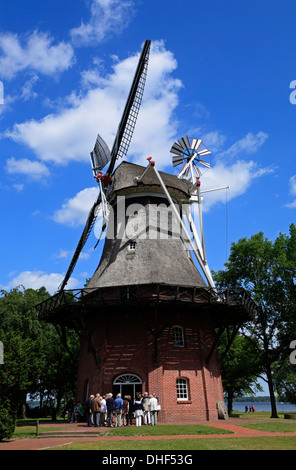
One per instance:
(150, 317)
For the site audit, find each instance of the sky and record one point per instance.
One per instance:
(221, 71)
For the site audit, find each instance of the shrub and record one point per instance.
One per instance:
(7, 419)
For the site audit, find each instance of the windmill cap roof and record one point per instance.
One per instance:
(126, 174)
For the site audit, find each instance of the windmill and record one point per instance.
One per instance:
(147, 313)
(101, 156)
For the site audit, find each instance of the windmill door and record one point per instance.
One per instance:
(127, 384)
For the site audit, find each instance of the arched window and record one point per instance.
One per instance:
(178, 336)
(127, 384)
(182, 389)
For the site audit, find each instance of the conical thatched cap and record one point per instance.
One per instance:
(143, 243)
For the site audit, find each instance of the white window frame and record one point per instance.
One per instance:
(178, 336)
(132, 245)
(182, 386)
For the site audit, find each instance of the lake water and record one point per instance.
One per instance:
(262, 406)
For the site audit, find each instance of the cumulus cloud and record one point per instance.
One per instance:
(37, 279)
(70, 133)
(292, 191)
(33, 169)
(230, 169)
(74, 211)
(37, 54)
(107, 17)
(249, 144)
(238, 177)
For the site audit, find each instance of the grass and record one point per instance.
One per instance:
(163, 430)
(271, 426)
(260, 421)
(257, 415)
(26, 428)
(190, 444)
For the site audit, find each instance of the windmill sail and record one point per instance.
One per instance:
(100, 155)
(129, 117)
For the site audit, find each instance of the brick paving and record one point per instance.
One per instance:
(50, 442)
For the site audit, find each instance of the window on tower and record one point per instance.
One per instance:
(178, 336)
(182, 390)
(132, 245)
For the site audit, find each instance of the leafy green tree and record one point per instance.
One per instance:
(285, 378)
(267, 271)
(239, 367)
(36, 360)
(21, 336)
(58, 377)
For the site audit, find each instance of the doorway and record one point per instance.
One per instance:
(127, 384)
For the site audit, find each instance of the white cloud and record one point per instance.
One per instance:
(27, 89)
(106, 18)
(74, 211)
(62, 254)
(292, 191)
(71, 133)
(251, 143)
(292, 184)
(38, 54)
(33, 169)
(37, 279)
(238, 176)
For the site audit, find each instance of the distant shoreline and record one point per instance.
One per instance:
(262, 399)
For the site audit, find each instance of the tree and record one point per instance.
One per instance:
(58, 377)
(21, 336)
(35, 358)
(239, 368)
(267, 271)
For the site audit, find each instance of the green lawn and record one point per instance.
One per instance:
(289, 426)
(261, 421)
(190, 444)
(163, 430)
(28, 430)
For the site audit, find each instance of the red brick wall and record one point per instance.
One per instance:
(124, 343)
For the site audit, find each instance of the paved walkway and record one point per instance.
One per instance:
(47, 443)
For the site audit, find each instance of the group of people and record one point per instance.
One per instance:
(107, 411)
(74, 411)
(146, 408)
(250, 410)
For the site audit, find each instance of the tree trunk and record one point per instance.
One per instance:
(229, 401)
(21, 408)
(21, 411)
(271, 392)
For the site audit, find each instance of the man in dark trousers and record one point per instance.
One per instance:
(89, 409)
(69, 408)
(110, 408)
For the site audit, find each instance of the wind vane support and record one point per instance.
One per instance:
(191, 155)
(195, 245)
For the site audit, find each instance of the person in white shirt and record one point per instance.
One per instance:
(153, 409)
(103, 411)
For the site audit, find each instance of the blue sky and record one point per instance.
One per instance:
(218, 70)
